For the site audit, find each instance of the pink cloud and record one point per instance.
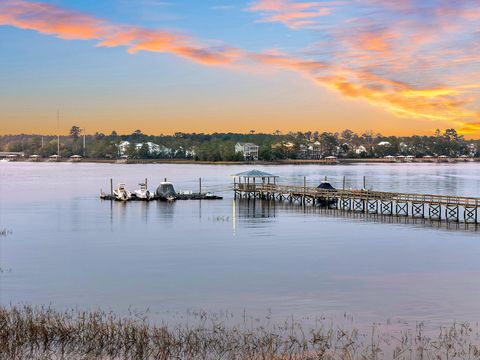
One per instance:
(289, 13)
(71, 25)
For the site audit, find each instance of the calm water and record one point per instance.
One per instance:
(70, 249)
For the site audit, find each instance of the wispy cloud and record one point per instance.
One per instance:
(71, 25)
(289, 13)
(417, 59)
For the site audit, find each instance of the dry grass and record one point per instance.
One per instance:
(43, 333)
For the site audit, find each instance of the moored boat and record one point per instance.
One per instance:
(326, 201)
(143, 193)
(121, 193)
(166, 191)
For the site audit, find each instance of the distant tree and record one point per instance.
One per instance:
(75, 132)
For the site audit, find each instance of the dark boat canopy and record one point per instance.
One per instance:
(325, 185)
(166, 190)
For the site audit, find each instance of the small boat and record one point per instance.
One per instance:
(121, 193)
(166, 191)
(326, 201)
(143, 193)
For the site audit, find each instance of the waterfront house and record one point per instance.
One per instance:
(54, 157)
(248, 150)
(153, 149)
(75, 158)
(331, 160)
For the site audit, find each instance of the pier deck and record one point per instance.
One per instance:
(435, 207)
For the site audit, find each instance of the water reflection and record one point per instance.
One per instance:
(255, 208)
(70, 249)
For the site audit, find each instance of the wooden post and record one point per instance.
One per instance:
(304, 188)
(344, 183)
(365, 182)
(146, 183)
(199, 185)
(234, 187)
(111, 186)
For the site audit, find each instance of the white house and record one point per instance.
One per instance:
(123, 147)
(153, 149)
(248, 150)
(360, 150)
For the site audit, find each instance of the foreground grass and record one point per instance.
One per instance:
(43, 333)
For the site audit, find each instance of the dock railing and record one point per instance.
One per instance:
(464, 201)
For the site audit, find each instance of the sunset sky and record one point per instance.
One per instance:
(162, 66)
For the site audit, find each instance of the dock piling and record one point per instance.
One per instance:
(111, 187)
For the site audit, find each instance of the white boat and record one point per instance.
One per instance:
(143, 193)
(121, 193)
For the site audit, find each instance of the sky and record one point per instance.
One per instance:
(162, 66)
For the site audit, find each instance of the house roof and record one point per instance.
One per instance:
(255, 173)
(247, 144)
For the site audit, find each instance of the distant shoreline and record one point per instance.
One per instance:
(260, 162)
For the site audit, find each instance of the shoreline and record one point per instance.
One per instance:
(259, 162)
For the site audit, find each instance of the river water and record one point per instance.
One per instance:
(69, 249)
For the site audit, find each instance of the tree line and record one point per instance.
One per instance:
(221, 146)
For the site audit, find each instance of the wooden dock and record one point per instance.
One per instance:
(434, 207)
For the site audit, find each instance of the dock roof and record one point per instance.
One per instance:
(255, 173)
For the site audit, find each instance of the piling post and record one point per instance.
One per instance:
(235, 187)
(146, 183)
(200, 185)
(344, 183)
(365, 182)
(111, 187)
(304, 188)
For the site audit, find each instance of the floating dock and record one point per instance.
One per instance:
(194, 196)
(177, 196)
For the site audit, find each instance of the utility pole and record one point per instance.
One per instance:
(58, 132)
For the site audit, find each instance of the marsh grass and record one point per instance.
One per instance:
(44, 333)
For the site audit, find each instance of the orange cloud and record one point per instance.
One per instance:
(71, 25)
(291, 14)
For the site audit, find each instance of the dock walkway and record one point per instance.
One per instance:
(435, 207)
